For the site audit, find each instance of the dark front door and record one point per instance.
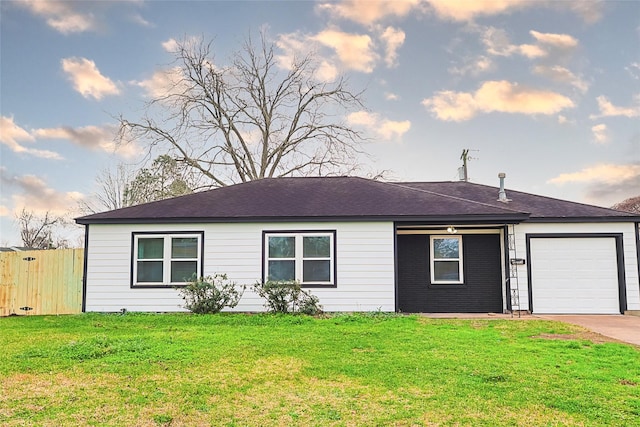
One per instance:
(481, 287)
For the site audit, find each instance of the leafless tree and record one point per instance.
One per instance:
(112, 188)
(125, 186)
(37, 231)
(631, 204)
(252, 119)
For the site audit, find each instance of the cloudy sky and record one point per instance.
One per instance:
(546, 91)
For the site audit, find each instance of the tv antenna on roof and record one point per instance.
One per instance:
(463, 171)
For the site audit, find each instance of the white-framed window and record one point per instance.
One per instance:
(446, 259)
(308, 257)
(170, 259)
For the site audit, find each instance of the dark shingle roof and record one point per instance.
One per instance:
(346, 198)
(539, 207)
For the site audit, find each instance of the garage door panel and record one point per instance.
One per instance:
(574, 275)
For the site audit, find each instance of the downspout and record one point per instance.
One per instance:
(395, 267)
(637, 227)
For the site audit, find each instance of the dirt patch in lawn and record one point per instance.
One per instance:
(579, 336)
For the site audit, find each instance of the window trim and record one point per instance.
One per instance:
(433, 260)
(167, 236)
(299, 258)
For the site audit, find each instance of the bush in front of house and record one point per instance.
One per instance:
(210, 294)
(287, 297)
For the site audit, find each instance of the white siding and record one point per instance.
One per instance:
(364, 261)
(629, 247)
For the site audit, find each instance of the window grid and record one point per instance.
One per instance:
(299, 258)
(457, 260)
(170, 261)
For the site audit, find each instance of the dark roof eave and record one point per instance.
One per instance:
(575, 219)
(448, 219)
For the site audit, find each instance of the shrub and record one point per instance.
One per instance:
(287, 297)
(211, 294)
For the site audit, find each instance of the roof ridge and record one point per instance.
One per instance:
(454, 197)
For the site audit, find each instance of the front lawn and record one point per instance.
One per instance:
(351, 370)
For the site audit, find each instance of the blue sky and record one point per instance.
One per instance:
(546, 91)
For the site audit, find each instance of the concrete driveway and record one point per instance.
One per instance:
(618, 327)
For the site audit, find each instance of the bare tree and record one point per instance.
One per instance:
(123, 186)
(631, 204)
(112, 189)
(38, 231)
(252, 119)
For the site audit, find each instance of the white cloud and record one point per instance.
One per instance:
(385, 129)
(589, 11)
(87, 79)
(138, 19)
(368, 12)
(170, 45)
(99, 138)
(62, 16)
(334, 50)
(562, 75)
(605, 183)
(393, 38)
(393, 130)
(35, 195)
(600, 134)
(560, 41)
(326, 71)
(355, 51)
(562, 119)
(473, 66)
(497, 43)
(468, 10)
(530, 51)
(634, 70)
(391, 96)
(11, 135)
(607, 109)
(163, 83)
(602, 173)
(294, 45)
(495, 96)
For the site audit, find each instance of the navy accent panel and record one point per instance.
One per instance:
(413, 272)
(84, 268)
(482, 288)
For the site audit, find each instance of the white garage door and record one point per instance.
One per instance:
(574, 275)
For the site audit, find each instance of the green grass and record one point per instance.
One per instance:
(343, 370)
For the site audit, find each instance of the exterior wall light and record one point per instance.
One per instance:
(451, 229)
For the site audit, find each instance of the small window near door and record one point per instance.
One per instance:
(446, 260)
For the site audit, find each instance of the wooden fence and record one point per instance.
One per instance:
(41, 282)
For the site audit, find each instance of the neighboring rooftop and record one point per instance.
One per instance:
(352, 198)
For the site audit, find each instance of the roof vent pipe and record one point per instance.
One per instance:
(502, 195)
